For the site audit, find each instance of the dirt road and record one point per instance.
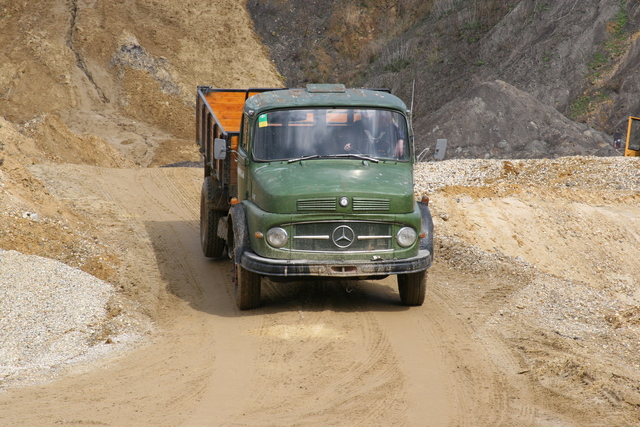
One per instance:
(528, 319)
(315, 354)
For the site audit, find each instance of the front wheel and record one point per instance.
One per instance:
(412, 287)
(247, 288)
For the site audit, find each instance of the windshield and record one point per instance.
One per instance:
(300, 134)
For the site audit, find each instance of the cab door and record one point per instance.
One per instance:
(243, 158)
(632, 147)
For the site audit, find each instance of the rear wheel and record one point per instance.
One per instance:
(412, 287)
(212, 245)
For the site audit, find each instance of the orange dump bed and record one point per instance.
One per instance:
(227, 106)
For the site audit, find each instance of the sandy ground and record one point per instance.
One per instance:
(529, 320)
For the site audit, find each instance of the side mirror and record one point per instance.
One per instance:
(441, 149)
(219, 149)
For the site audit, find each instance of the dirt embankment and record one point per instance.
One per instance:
(558, 241)
(126, 71)
(106, 85)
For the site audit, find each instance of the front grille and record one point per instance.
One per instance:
(329, 204)
(366, 204)
(351, 236)
(320, 204)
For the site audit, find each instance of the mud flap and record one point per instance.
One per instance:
(240, 233)
(223, 228)
(427, 227)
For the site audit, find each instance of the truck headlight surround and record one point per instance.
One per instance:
(277, 237)
(406, 236)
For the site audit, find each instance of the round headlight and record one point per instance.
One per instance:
(406, 237)
(277, 237)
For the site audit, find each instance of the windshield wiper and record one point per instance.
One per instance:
(334, 156)
(357, 156)
(297, 159)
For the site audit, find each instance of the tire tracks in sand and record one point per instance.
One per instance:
(316, 353)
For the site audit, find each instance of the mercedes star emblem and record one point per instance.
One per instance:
(343, 236)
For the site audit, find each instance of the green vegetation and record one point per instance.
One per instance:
(599, 60)
(621, 18)
(546, 58)
(397, 56)
(471, 32)
(398, 65)
(544, 6)
(617, 45)
(614, 47)
(585, 104)
(580, 107)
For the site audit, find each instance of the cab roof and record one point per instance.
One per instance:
(323, 95)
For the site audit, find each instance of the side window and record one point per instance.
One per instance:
(245, 133)
(633, 134)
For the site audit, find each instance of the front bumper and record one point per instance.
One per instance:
(335, 268)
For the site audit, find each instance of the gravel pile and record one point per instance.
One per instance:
(50, 314)
(615, 173)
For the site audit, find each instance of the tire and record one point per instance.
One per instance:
(247, 283)
(212, 245)
(247, 288)
(412, 288)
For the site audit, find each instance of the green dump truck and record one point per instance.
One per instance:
(314, 182)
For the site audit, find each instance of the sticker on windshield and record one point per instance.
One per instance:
(262, 121)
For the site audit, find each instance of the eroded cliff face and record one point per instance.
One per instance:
(111, 85)
(576, 57)
(91, 61)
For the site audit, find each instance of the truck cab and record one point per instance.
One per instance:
(322, 187)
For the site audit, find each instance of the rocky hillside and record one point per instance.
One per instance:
(576, 59)
(125, 72)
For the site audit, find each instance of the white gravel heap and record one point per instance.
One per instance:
(50, 314)
(613, 173)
